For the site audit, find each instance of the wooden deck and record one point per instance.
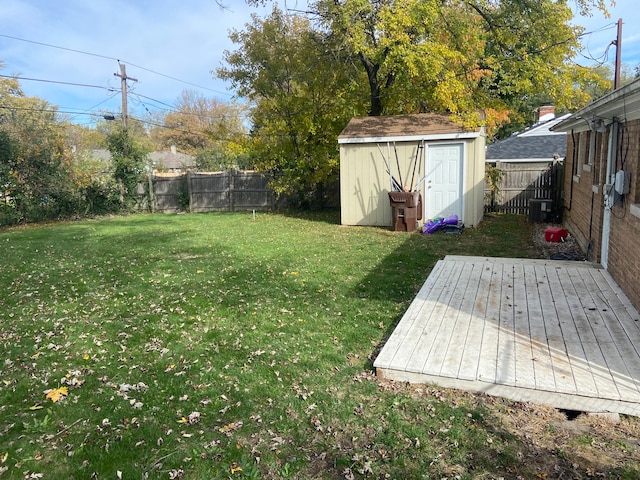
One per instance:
(554, 332)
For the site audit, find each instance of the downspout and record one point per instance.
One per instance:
(590, 244)
(608, 193)
(573, 169)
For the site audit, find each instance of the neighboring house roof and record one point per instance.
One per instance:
(172, 160)
(98, 154)
(536, 143)
(421, 126)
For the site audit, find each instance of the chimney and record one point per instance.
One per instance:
(546, 112)
(173, 149)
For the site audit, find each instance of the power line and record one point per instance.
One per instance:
(110, 89)
(50, 110)
(96, 105)
(602, 59)
(82, 52)
(154, 100)
(195, 114)
(58, 47)
(179, 80)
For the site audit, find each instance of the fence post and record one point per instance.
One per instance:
(189, 190)
(151, 192)
(232, 186)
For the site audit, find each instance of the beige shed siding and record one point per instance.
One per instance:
(363, 185)
(364, 182)
(474, 181)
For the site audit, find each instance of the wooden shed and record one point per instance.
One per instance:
(424, 152)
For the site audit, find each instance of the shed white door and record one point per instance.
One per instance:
(443, 182)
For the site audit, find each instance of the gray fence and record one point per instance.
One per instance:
(522, 182)
(228, 191)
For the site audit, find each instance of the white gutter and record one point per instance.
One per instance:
(623, 102)
(410, 138)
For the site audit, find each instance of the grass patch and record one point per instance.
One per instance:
(218, 346)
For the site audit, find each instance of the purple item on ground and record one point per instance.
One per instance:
(437, 223)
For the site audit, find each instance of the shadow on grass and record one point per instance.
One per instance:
(329, 216)
(401, 274)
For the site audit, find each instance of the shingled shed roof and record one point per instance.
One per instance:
(403, 127)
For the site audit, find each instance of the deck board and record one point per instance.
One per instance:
(554, 332)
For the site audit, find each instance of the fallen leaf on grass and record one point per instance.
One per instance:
(56, 394)
(175, 474)
(231, 427)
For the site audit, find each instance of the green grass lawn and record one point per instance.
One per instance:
(222, 346)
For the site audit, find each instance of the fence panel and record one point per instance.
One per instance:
(251, 192)
(167, 191)
(209, 192)
(522, 182)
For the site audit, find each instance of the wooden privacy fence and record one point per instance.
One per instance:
(228, 191)
(522, 182)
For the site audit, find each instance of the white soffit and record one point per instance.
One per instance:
(411, 138)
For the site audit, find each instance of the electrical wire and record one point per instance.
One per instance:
(97, 105)
(590, 57)
(50, 110)
(56, 46)
(604, 58)
(177, 79)
(82, 52)
(195, 114)
(111, 89)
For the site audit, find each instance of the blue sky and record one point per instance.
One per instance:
(605, 31)
(158, 39)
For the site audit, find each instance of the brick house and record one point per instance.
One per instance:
(602, 184)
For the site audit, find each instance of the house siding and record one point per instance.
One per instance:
(582, 202)
(624, 253)
(585, 171)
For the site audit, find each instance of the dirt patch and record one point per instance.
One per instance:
(550, 443)
(567, 249)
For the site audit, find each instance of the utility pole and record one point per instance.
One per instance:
(123, 79)
(618, 43)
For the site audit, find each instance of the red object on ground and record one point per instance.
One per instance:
(555, 234)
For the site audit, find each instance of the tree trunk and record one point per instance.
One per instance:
(375, 106)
